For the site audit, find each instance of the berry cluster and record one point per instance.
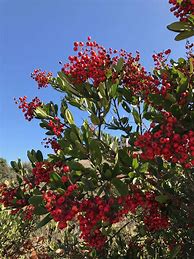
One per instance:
(166, 142)
(28, 108)
(182, 9)
(41, 77)
(7, 195)
(153, 218)
(43, 170)
(161, 58)
(94, 212)
(53, 143)
(62, 208)
(56, 126)
(17, 200)
(135, 77)
(28, 212)
(93, 61)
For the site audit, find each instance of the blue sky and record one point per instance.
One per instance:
(40, 33)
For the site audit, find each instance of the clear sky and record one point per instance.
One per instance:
(40, 33)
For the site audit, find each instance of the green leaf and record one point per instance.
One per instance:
(124, 157)
(37, 192)
(131, 175)
(191, 61)
(160, 163)
(126, 107)
(108, 174)
(15, 166)
(120, 186)
(183, 85)
(39, 156)
(88, 184)
(19, 179)
(171, 98)
(113, 90)
(108, 73)
(36, 200)
(40, 210)
(95, 151)
(175, 252)
(179, 26)
(69, 116)
(184, 35)
(73, 136)
(154, 116)
(43, 222)
(66, 86)
(144, 167)
(135, 163)
(76, 166)
(41, 114)
(161, 198)
(54, 177)
(156, 98)
(119, 65)
(136, 116)
(124, 120)
(181, 61)
(94, 119)
(101, 88)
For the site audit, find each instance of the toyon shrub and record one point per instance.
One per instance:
(127, 201)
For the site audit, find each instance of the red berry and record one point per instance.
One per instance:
(66, 169)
